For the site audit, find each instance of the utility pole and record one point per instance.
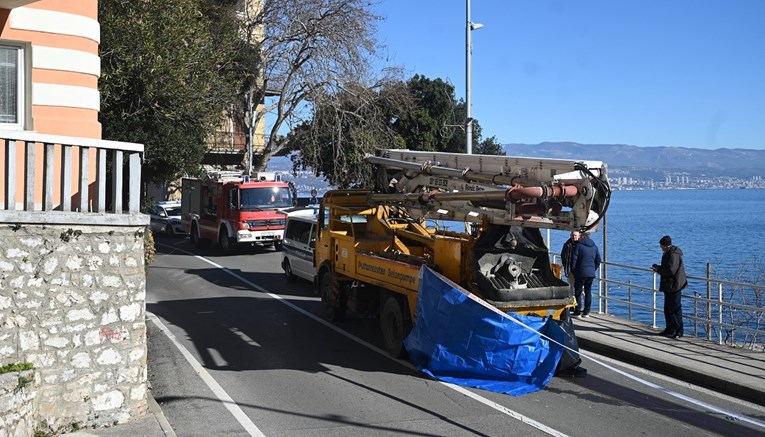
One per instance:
(469, 27)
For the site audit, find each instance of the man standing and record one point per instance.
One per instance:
(585, 260)
(673, 280)
(565, 255)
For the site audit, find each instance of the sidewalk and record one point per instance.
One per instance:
(153, 424)
(735, 372)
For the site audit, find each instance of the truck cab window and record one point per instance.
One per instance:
(233, 198)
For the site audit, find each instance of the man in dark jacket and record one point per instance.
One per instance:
(585, 260)
(565, 254)
(673, 280)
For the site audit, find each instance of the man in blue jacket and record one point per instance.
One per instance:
(585, 260)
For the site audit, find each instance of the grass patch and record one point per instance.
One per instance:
(20, 367)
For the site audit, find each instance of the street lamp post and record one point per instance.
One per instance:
(469, 27)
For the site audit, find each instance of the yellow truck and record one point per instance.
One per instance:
(475, 219)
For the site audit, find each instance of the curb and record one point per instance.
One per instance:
(156, 410)
(711, 382)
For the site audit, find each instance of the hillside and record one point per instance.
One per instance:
(742, 163)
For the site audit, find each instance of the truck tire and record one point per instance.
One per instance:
(224, 242)
(288, 271)
(333, 311)
(394, 326)
(278, 246)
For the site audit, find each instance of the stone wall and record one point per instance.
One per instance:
(17, 392)
(72, 302)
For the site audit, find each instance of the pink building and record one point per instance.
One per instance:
(49, 67)
(49, 70)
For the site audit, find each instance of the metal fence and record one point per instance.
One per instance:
(726, 312)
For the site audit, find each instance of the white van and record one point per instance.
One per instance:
(298, 244)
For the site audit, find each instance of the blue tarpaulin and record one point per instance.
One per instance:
(459, 338)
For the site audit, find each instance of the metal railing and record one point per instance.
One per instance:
(726, 312)
(47, 182)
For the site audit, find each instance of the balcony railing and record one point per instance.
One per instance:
(56, 184)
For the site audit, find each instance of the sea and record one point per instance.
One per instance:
(719, 231)
(724, 229)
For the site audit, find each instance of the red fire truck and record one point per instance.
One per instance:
(232, 209)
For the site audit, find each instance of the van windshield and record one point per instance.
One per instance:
(254, 199)
(299, 231)
(173, 211)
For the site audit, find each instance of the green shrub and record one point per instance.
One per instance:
(20, 367)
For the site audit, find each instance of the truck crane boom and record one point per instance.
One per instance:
(528, 192)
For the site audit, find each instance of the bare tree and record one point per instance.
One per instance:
(747, 305)
(348, 125)
(305, 50)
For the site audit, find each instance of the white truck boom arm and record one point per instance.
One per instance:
(533, 192)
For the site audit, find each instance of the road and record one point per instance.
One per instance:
(236, 350)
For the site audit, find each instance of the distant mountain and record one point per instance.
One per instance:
(280, 163)
(650, 162)
(743, 163)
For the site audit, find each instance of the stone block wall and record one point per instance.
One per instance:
(17, 392)
(72, 302)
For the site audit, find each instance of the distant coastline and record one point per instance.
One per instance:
(688, 189)
(630, 168)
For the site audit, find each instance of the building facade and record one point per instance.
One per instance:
(49, 67)
(72, 264)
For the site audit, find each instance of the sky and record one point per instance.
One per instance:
(677, 73)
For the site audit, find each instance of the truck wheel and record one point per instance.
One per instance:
(170, 230)
(288, 271)
(394, 327)
(226, 246)
(278, 246)
(332, 310)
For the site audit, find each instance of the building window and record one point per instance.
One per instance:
(11, 87)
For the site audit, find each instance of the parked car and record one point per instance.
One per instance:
(166, 218)
(299, 243)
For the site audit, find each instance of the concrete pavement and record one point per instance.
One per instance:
(735, 372)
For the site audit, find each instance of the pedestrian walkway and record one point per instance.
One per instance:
(153, 424)
(732, 371)
(735, 372)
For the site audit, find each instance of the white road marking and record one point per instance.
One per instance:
(245, 338)
(225, 399)
(216, 357)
